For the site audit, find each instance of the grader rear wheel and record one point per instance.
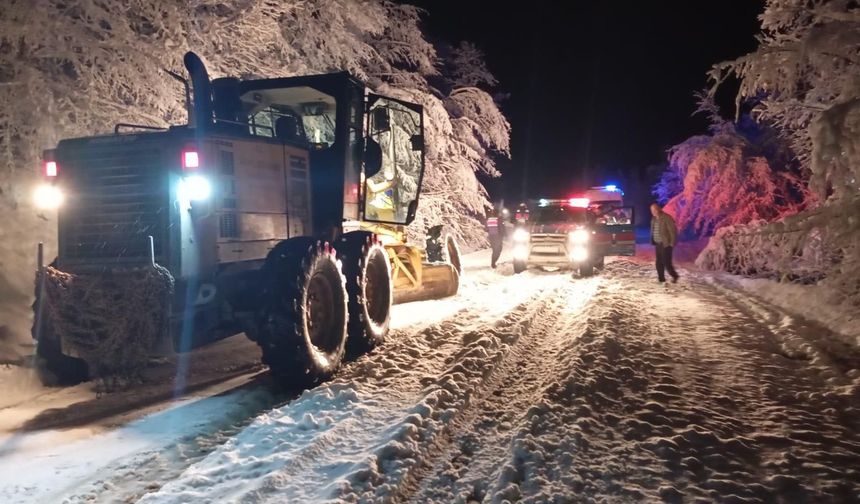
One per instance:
(301, 327)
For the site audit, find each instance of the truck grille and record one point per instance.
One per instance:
(116, 198)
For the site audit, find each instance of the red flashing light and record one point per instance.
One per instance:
(579, 202)
(51, 169)
(190, 160)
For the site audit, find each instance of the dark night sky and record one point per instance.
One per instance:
(620, 73)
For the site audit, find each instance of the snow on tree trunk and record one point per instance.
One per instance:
(77, 67)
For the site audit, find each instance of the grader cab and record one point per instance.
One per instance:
(278, 210)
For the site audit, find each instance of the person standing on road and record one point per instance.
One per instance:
(496, 233)
(664, 233)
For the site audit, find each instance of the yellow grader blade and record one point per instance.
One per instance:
(438, 280)
(415, 279)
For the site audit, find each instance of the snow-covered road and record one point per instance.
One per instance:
(536, 387)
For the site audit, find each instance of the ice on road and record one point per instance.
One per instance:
(539, 387)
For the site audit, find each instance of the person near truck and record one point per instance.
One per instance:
(664, 234)
(495, 233)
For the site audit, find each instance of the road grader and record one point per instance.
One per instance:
(279, 210)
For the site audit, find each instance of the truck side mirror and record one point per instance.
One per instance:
(417, 142)
(372, 158)
(381, 120)
(411, 211)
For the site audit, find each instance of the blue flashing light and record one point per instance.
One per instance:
(611, 187)
(543, 202)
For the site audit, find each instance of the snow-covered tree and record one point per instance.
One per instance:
(466, 67)
(725, 178)
(77, 67)
(806, 74)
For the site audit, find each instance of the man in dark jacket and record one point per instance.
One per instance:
(664, 233)
(496, 233)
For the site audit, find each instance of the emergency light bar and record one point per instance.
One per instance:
(578, 202)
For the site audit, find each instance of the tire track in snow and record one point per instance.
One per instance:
(679, 395)
(362, 434)
(190, 440)
(478, 443)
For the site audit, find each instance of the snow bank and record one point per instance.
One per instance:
(818, 303)
(819, 249)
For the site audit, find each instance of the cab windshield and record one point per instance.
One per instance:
(294, 114)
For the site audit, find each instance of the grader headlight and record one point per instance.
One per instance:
(48, 197)
(193, 186)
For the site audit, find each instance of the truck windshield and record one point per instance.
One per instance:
(558, 214)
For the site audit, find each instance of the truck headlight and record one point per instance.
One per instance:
(48, 197)
(194, 188)
(521, 235)
(578, 236)
(579, 254)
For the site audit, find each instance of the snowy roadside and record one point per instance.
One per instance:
(813, 302)
(818, 304)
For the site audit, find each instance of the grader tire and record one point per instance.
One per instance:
(369, 290)
(301, 325)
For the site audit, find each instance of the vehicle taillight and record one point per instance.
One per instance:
(50, 169)
(579, 202)
(190, 160)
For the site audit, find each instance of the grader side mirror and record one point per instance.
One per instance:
(381, 120)
(372, 158)
(411, 211)
(417, 142)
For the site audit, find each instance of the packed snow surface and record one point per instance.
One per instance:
(539, 387)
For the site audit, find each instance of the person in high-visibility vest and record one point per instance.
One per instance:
(496, 233)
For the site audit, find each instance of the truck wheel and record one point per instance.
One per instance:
(369, 291)
(301, 327)
(519, 266)
(586, 270)
(600, 262)
(452, 254)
